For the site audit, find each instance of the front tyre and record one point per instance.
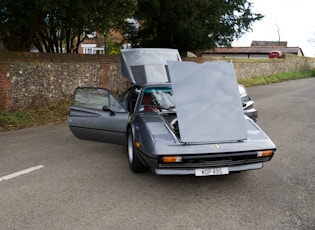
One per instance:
(134, 162)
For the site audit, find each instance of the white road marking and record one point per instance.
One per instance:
(19, 173)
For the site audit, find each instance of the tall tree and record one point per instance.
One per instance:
(191, 25)
(56, 25)
(53, 25)
(68, 23)
(19, 21)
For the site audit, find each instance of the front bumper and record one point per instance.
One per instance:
(235, 162)
(251, 113)
(192, 171)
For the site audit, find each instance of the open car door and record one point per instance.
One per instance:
(97, 115)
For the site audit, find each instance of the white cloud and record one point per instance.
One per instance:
(293, 20)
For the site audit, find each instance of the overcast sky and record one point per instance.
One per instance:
(294, 19)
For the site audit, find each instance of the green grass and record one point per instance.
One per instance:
(56, 112)
(279, 77)
(35, 116)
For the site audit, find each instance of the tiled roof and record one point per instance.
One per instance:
(256, 49)
(269, 43)
(259, 48)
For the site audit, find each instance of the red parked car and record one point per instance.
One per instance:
(275, 54)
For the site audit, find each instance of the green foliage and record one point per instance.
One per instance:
(55, 24)
(112, 47)
(115, 50)
(279, 77)
(29, 117)
(67, 24)
(19, 21)
(16, 120)
(191, 25)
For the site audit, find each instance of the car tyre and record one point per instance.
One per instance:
(135, 163)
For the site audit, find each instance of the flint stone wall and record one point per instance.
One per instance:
(246, 68)
(28, 79)
(38, 79)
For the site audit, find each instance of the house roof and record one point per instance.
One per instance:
(258, 47)
(257, 50)
(269, 43)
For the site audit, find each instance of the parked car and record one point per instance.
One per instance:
(248, 103)
(178, 118)
(275, 54)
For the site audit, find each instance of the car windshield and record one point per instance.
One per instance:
(157, 99)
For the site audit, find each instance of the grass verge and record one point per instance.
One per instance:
(30, 117)
(279, 77)
(59, 111)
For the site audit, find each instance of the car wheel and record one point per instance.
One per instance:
(134, 162)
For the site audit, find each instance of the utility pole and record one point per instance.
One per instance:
(278, 31)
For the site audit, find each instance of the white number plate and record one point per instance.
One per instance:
(211, 171)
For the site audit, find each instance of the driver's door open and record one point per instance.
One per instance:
(97, 115)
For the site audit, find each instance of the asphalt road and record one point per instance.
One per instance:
(74, 184)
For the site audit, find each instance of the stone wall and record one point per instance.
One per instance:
(266, 67)
(28, 79)
(246, 68)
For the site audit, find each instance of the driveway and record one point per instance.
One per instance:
(51, 180)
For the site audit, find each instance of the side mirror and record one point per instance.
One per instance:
(108, 109)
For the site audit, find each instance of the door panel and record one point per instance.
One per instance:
(88, 120)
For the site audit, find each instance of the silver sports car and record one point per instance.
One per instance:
(178, 118)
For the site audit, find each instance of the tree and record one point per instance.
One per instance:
(191, 25)
(19, 21)
(68, 24)
(188, 25)
(59, 25)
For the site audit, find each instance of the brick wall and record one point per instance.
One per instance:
(28, 79)
(5, 100)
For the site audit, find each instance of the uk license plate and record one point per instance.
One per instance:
(211, 171)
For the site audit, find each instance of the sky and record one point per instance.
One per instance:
(294, 20)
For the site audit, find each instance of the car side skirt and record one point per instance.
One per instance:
(99, 135)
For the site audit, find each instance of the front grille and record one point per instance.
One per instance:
(215, 161)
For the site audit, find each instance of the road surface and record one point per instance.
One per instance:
(51, 180)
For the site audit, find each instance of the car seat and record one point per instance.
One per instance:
(147, 104)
